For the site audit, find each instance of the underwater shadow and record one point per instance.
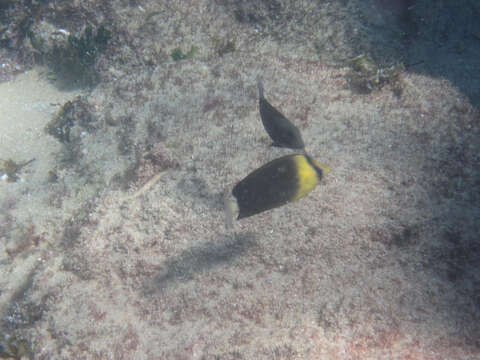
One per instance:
(454, 257)
(441, 239)
(440, 39)
(199, 258)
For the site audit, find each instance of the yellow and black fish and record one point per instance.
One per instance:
(276, 183)
(279, 128)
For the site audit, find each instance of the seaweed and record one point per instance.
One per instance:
(59, 127)
(224, 46)
(9, 169)
(177, 53)
(16, 349)
(74, 59)
(72, 112)
(86, 45)
(365, 76)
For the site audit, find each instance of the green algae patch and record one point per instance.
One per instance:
(366, 76)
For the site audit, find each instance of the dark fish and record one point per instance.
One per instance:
(281, 130)
(277, 183)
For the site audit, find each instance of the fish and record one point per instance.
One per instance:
(279, 182)
(281, 130)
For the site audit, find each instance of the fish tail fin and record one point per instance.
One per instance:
(230, 208)
(260, 87)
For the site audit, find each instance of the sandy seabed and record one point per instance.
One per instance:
(124, 254)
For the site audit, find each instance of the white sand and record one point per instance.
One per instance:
(27, 104)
